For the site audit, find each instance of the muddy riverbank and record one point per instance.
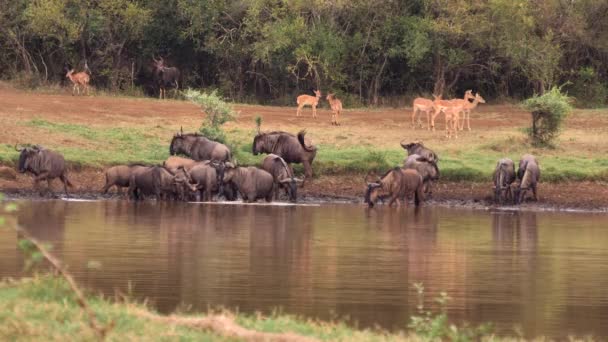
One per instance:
(350, 188)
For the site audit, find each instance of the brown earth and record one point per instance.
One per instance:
(358, 126)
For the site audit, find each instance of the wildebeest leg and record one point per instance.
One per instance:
(307, 170)
(277, 191)
(64, 180)
(534, 192)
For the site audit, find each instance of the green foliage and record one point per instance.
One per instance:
(431, 326)
(588, 88)
(548, 112)
(269, 51)
(217, 112)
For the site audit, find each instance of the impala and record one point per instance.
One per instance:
(307, 100)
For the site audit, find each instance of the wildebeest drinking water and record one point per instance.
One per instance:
(199, 148)
(44, 164)
(287, 146)
(157, 181)
(397, 184)
(504, 176)
(529, 175)
(282, 175)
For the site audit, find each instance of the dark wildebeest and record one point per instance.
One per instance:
(156, 181)
(182, 184)
(416, 147)
(282, 175)
(397, 184)
(206, 178)
(529, 175)
(119, 176)
(287, 146)
(251, 182)
(504, 176)
(44, 165)
(199, 148)
(427, 169)
(165, 77)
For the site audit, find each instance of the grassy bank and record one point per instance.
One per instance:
(101, 146)
(43, 308)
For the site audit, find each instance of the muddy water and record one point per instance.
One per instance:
(539, 273)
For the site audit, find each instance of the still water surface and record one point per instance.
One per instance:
(539, 273)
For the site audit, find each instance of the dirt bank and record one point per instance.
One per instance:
(350, 188)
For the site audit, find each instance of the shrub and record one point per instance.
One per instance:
(548, 112)
(217, 112)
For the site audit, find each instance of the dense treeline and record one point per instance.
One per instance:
(369, 51)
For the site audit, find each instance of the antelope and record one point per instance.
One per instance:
(165, 77)
(307, 100)
(467, 110)
(81, 78)
(422, 105)
(449, 103)
(451, 111)
(336, 108)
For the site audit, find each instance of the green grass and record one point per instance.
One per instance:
(43, 308)
(100, 147)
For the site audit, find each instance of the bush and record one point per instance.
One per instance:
(217, 112)
(548, 113)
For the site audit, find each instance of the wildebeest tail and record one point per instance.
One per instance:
(301, 135)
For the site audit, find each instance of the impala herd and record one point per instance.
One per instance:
(455, 111)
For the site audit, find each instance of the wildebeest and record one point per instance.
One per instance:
(427, 169)
(205, 176)
(182, 184)
(504, 176)
(155, 181)
(251, 182)
(165, 77)
(397, 184)
(282, 175)
(529, 175)
(119, 176)
(287, 146)
(199, 148)
(416, 147)
(44, 164)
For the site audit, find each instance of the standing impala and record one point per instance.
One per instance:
(467, 111)
(307, 100)
(336, 108)
(450, 103)
(78, 79)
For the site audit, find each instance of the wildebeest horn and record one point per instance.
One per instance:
(285, 180)
(18, 149)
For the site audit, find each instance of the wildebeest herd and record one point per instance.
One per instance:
(206, 171)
